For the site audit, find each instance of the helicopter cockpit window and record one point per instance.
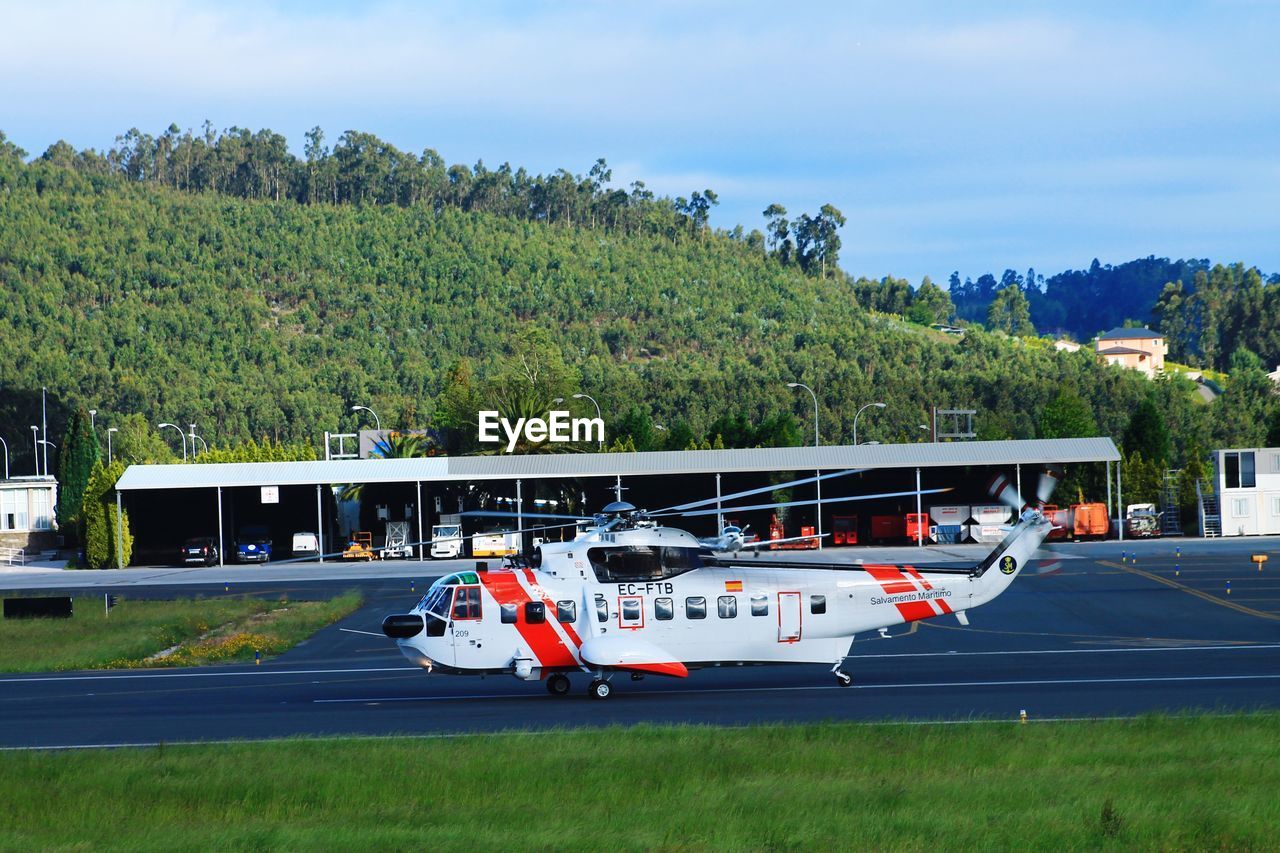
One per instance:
(641, 562)
(467, 604)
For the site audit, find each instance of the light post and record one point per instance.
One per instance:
(816, 441)
(599, 416)
(182, 436)
(194, 439)
(376, 420)
(109, 431)
(35, 446)
(6, 457)
(855, 419)
(47, 445)
(92, 412)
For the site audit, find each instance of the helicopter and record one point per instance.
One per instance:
(630, 595)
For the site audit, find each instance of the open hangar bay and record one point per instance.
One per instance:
(1087, 632)
(170, 503)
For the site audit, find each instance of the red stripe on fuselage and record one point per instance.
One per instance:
(543, 641)
(551, 608)
(894, 581)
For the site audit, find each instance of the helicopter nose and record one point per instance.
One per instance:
(402, 626)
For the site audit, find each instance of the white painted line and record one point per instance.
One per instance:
(855, 686)
(247, 672)
(1069, 651)
(366, 633)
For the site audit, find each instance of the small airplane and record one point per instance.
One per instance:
(734, 538)
(628, 595)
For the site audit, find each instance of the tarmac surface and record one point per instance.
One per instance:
(1095, 630)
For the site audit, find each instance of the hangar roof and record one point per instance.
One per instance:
(569, 465)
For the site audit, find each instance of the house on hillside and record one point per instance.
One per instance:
(1138, 349)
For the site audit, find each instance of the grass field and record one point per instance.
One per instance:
(1188, 783)
(205, 631)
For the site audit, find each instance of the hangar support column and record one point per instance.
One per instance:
(319, 523)
(221, 557)
(422, 543)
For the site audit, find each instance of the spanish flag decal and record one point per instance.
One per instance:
(733, 586)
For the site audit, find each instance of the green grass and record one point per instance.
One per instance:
(1189, 783)
(233, 630)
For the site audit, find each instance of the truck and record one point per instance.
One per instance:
(446, 538)
(1142, 521)
(495, 543)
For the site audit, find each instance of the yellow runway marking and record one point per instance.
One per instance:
(1212, 599)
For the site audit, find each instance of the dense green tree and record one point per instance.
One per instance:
(1010, 312)
(77, 457)
(1147, 433)
(103, 543)
(1067, 415)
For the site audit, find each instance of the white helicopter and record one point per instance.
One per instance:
(629, 595)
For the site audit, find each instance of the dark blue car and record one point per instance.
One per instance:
(253, 545)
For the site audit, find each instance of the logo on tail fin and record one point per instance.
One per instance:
(1008, 564)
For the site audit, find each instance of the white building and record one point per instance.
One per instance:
(27, 521)
(1248, 486)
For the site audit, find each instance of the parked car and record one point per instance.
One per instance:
(199, 550)
(253, 545)
(306, 544)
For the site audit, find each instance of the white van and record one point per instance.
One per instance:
(306, 545)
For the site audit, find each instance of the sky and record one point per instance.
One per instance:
(970, 136)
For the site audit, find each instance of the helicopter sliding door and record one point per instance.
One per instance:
(789, 619)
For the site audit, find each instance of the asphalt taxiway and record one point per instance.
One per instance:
(1094, 630)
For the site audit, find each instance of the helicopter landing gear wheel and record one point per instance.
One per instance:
(844, 679)
(600, 689)
(558, 684)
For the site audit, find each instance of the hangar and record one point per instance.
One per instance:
(169, 503)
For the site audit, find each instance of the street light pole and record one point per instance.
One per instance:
(6, 457)
(109, 431)
(855, 419)
(599, 416)
(35, 446)
(182, 436)
(376, 420)
(92, 413)
(816, 442)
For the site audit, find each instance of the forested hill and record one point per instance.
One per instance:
(258, 317)
(1206, 311)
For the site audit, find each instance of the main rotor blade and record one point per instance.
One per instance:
(750, 492)
(502, 513)
(728, 509)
